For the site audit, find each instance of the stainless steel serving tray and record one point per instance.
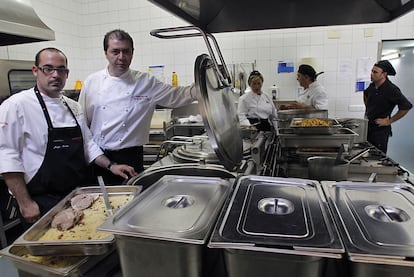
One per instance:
(175, 208)
(315, 130)
(288, 138)
(262, 210)
(375, 219)
(30, 238)
(17, 255)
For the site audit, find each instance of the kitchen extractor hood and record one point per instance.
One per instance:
(19, 23)
(215, 16)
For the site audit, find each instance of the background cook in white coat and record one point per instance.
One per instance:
(314, 95)
(255, 104)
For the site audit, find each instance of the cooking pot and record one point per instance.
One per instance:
(329, 168)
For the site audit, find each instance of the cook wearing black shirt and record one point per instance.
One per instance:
(380, 99)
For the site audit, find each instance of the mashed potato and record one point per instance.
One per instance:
(93, 217)
(53, 261)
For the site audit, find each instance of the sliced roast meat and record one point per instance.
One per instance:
(66, 219)
(82, 201)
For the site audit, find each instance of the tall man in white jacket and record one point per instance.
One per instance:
(119, 103)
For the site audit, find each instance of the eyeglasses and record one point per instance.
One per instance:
(50, 70)
(255, 73)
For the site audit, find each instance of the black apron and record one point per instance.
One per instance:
(63, 167)
(260, 124)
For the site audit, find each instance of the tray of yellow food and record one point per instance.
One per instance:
(69, 228)
(43, 265)
(314, 126)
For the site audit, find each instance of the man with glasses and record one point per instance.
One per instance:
(380, 99)
(45, 144)
(119, 103)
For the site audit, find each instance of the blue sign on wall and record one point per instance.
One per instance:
(283, 67)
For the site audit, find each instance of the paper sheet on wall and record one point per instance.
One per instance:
(345, 69)
(364, 66)
(363, 74)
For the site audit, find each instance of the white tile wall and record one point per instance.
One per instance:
(80, 25)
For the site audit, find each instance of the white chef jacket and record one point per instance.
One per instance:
(252, 105)
(119, 109)
(24, 131)
(315, 95)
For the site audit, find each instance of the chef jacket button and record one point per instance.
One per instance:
(123, 125)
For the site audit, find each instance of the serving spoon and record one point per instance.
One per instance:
(105, 196)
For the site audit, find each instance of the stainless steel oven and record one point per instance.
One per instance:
(15, 75)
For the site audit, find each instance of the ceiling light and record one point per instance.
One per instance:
(391, 56)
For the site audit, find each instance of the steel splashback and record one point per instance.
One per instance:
(19, 24)
(216, 16)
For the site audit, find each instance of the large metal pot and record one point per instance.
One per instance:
(331, 168)
(325, 168)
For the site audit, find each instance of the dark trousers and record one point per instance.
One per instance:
(133, 156)
(379, 136)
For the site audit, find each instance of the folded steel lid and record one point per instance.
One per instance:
(219, 114)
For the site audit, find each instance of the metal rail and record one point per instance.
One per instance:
(222, 73)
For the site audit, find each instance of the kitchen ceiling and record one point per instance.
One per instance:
(215, 16)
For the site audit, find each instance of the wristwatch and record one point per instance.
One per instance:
(111, 163)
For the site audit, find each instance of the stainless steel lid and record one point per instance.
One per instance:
(219, 114)
(375, 219)
(278, 213)
(196, 152)
(176, 208)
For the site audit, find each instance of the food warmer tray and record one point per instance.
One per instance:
(315, 130)
(30, 238)
(75, 267)
(288, 138)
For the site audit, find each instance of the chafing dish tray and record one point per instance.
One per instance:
(313, 126)
(288, 138)
(43, 266)
(72, 247)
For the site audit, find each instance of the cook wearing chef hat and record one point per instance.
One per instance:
(314, 95)
(380, 99)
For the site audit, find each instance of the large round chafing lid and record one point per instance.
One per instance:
(219, 114)
(202, 151)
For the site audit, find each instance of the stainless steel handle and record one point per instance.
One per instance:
(223, 76)
(105, 196)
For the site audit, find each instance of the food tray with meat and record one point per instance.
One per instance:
(314, 126)
(69, 228)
